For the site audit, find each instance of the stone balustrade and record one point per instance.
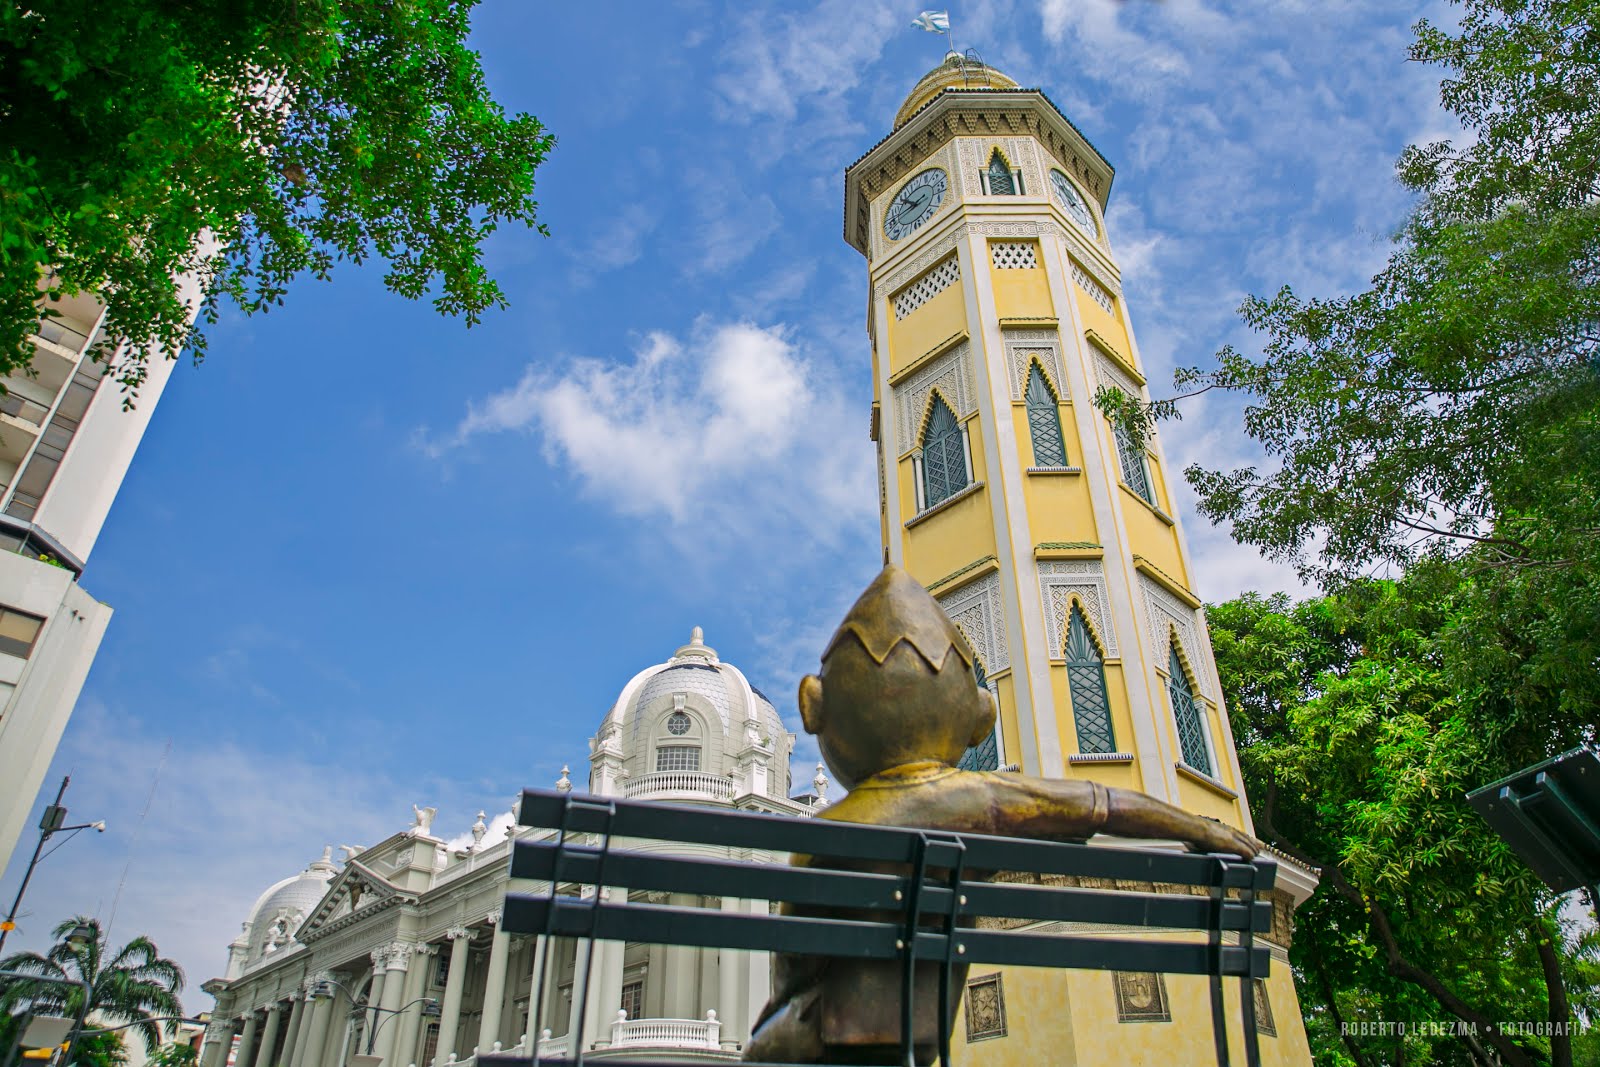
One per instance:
(678, 785)
(666, 1033)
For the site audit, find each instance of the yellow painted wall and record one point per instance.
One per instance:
(1151, 537)
(1096, 318)
(930, 326)
(960, 533)
(1022, 294)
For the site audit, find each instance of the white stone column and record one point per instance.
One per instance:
(303, 1034)
(219, 1036)
(758, 972)
(247, 1042)
(494, 990)
(450, 1021)
(291, 1034)
(730, 1004)
(269, 1035)
(317, 1035)
(583, 951)
(410, 1023)
(396, 968)
(538, 1018)
(374, 998)
(605, 985)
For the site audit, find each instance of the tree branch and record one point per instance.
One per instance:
(1560, 1013)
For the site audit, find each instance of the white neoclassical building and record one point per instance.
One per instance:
(395, 951)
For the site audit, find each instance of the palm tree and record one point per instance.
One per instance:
(135, 986)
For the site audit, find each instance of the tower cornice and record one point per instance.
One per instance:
(969, 113)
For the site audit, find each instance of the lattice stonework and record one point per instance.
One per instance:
(1189, 717)
(1014, 255)
(1044, 423)
(951, 374)
(1059, 582)
(941, 277)
(975, 609)
(1097, 292)
(1108, 374)
(1135, 475)
(1166, 614)
(1025, 347)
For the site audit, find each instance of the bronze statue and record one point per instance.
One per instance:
(894, 709)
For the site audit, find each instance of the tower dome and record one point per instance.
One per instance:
(694, 714)
(280, 910)
(956, 72)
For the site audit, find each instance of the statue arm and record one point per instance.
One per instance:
(1079, 809)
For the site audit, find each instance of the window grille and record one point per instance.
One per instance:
(678, 724)
(944, 458)
(1013, 255)
(1086, 682)
(1135, 475)
(1097, 292)
(633, 999)
(678, 758)
(1191, 729)
(999, 179)
(985, 755)
(925, 288)
(1044, 422)
(986, 1007)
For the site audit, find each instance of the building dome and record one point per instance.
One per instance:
(281, 909)
(694, 714)
(956, 72)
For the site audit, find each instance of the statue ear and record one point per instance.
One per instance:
(986, 720)
(811, 703)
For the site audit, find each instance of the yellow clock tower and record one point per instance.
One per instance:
(1051, 538)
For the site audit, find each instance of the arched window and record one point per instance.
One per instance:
(1086, 681)
(985, 755)
(1001, 181)
(1191, 728)
(1044, 422)
(1134, 473)
(944, 457)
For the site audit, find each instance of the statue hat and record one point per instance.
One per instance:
(896, 608)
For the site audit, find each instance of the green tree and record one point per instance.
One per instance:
(247, 143)
(136, 985)
(174, 1055)
(1358, 744)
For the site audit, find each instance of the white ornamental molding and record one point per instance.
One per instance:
(494, 916)
(1060, 581)
(951, 374)
(1022, 153)
(930, 255)
(1099, 293)
(1025, 346)
(458, 932)
(1108, 374)
(399, 955)
(1167, 615)
(975, 609)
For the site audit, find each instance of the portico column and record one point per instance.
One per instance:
(758, 970)
(302, 1053)
(494, 992)
(405, 1043)
(317, 1034)
(297, 1001)
(605, 984)
(269, 1038)
(730, 1006)
(538, 1018)
(678, 977)
(583, 953)
(380, 974)
(396, 965)
(460, 941)
(219, 1035)
(247, 1043)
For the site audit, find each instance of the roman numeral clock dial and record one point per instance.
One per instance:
(914, 204)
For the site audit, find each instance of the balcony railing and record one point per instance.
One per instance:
(666, 1033)
(678, 785)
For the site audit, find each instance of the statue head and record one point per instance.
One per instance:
(896, 686)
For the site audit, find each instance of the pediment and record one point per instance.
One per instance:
(356, 891)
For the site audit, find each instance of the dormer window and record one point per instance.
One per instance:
(999, 179)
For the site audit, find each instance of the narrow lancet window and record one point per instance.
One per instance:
(1134, 473)
(1191, 727)
(1001, 181)
(1086, 682)
(1044, 422)
(985, 755)
(944, 457)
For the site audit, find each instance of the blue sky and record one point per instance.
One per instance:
(367, 558)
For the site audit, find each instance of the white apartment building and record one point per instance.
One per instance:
(65, 445)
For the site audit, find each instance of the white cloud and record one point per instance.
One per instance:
(722, 430)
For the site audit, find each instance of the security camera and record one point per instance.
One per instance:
(99, 826)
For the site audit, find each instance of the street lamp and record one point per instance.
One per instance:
(324, 988)
(50, 823)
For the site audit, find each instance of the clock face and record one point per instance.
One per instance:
(914, 204)
(1072, 202)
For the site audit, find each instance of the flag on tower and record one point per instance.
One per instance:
(934, 21)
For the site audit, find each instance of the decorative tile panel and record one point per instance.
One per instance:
(1097, 292)
(951, 374)
(1014, 255)
(925, 288)
(1059, 582)
(1165, 614)
(975, 609)
(1141, 997)
(986, 1007)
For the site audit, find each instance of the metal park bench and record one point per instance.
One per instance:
(919, 919)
